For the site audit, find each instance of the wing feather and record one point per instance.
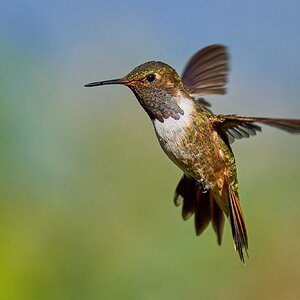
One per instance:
(207, 71)
(237, 127)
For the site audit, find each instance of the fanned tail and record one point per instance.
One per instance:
(205, 208)
(238, 227)
(188, 194)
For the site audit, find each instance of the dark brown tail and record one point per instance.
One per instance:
(238, 227)
(188, 194)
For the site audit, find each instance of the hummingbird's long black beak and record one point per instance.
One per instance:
(113, 81)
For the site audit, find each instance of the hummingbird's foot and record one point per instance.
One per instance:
(203, 186)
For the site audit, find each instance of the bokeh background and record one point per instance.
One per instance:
(86, 206)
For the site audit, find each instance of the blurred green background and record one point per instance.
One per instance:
(86, 206)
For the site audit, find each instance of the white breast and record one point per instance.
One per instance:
(171, 131)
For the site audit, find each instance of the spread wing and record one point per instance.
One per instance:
(206, 72)
(232, 127)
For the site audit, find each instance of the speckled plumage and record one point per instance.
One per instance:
(197, 149)
(197, 140)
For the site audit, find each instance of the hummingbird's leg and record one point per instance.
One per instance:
(203, 186)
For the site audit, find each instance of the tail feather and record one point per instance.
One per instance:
(202, 213)
(217, 218)
(203, 205)
(185, 196)
(205, 208)
(238, 227)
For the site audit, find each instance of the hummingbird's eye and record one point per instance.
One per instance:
(151, 77)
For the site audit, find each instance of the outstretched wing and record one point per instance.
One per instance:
(236, 127)
(206, 72)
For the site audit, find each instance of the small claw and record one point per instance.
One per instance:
(203, 186)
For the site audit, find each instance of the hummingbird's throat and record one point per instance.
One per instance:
(160, 105)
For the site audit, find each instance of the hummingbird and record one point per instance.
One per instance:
(197, 140)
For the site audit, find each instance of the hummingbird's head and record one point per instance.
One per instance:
(157, 87)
